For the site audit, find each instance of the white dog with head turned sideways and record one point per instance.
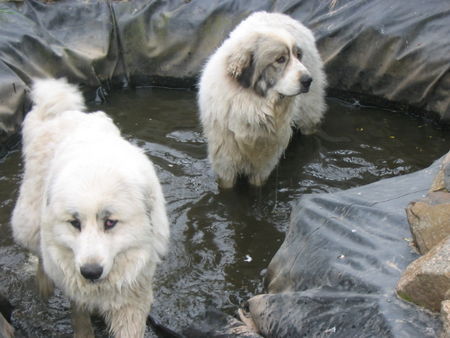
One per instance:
(265, 78)
(91, 207)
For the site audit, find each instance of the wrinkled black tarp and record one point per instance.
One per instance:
(391, 50)
(336, 271)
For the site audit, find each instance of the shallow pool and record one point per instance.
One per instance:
(221, 240)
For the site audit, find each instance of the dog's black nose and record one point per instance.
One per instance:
(91, 271)
(305, 80)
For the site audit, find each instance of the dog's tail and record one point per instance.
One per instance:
(54, 96)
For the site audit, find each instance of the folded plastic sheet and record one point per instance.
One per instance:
(335, 273)
(388, 51)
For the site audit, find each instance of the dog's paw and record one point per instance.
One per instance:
(81, 322)
(309, 130)
(226, 183)
(257, 180)
(84, 333)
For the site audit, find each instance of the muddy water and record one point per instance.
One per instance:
(221, 240)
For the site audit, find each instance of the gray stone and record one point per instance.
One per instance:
(442, 180)
(447, 176)
(429, 220)
(426, 281)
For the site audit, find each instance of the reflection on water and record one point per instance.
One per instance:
(221, 240)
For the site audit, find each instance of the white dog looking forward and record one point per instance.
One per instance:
(265, 78)
(91, 208)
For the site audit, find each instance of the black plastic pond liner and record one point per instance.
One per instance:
(336, 272)
(384, 50)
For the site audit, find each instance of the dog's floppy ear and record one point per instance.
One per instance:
(240, 63)
(240, 67)
(156, 212)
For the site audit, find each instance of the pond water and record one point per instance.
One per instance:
(222, 241)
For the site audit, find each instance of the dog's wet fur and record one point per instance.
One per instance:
(265, 78)
(91, 208)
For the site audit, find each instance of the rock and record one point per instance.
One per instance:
(445, 317)
(442, 180)
(429, 219)
(447, 177)
(426, 281)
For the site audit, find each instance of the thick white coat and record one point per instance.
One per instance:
(77, 163)
(246, 132)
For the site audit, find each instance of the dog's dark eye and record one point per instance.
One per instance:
(281, 59)
(110, 223)
(76, 224)
(299, 55)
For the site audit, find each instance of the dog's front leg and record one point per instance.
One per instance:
(44, 284)
(259, 178)
(127, 322)
(81, 322)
